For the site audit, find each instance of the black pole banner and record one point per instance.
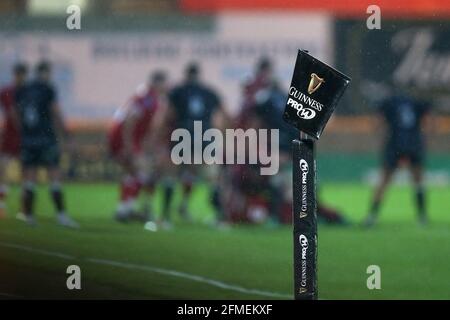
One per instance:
(313, 95)
(304, 220)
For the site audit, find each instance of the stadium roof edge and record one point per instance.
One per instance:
(348, 8)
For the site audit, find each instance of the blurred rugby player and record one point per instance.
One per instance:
(255, 89)
(135, 125)
(404, 145)
(41, 128)
(268, 109)
(9, 138)
(262, 107)
(194, 101)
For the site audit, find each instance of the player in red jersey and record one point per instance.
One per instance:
(137, 125)
(266, 198)
(255, 89)
(9, 138)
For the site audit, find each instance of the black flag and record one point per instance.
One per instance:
(313, 95)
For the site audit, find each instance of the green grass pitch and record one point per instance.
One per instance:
(246, 262)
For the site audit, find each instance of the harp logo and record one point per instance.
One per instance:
(314, 83)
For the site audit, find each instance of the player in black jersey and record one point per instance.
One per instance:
(193, 101)
(404, 146)
(41, 128)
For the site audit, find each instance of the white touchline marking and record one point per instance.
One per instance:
(34, 250)
(173, 273)
(189, 276)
